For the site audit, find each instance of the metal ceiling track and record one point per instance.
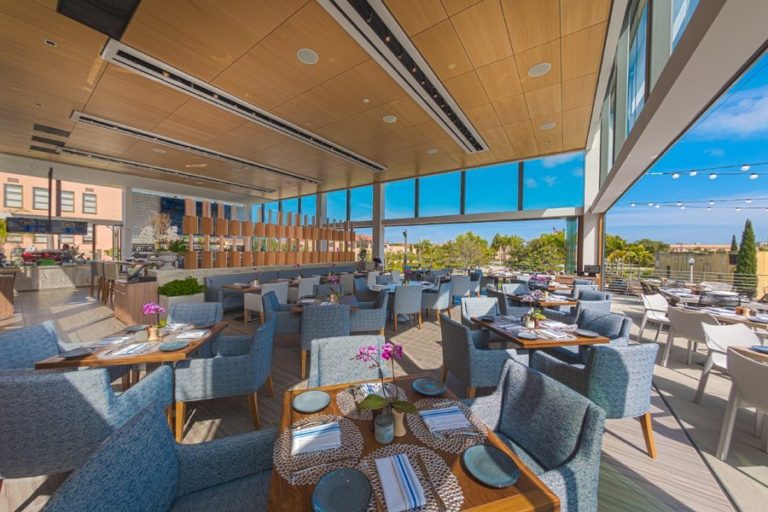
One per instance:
(371, 24)
(130, 58)
(156, 168)
(156, 138)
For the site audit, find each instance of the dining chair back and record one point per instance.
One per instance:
(332, 360)
(318, 321)
(460, 286)
(287, 322)
(407, 302)
(438, 299)
(515, 288)
(306, 287)
(347, 284)
(384, 279)
(477, 306)
(396, 276)
(688, 324)
(323, 291)
(23, 347)
(718, 338)
(501, 300)
(362, 292)
(748, 378)
(370, 316)
(372, 275)
(198, 314)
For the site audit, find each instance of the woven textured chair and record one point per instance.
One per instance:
(477, 306)
(553, 429)
(592, 300)
(21, 348)
(501, 300)
(332, 361)
(618, 379)
(656, 307)
(287, 322)
(52, 421)
(362, 292)
(515, 289)
(613, 326)
(323, 291)
(460, 286)
(371, 277)
(438, 299)
(347, 284)
(718, 339)
(198, 314)
(407, 302)
(321, 322)
(384, 279)
(140, 467)
(253, 301)
(370, 316)
(688, 324)
(240, 366)
(305, 288)
(475, 278)
(467, 356)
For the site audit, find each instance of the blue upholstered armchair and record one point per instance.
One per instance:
(592, 300)
(467, 356)
(362, 292)
(515, 288)
(370, 316)
(240, 366)
(407, 302)
(618, 379)
(286, 321)
(553, 429)
(332, 361)
(477, 306)
(22, 348)
(197, 314)
(322, 322)
(501, 299)
(613, 326)
(52, 421)
(140, 467)
(438, 299)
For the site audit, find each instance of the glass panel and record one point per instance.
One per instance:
(555, 181)
(440, 195)
(270, 212)
(361, 203)
(67, 201)
(337, 205)
(492, 189)
(89, 203)
(682, 10)
(88, 237)
(399, 199)
(637, 64)
(571, 244)
(291, 205)
(40, 198)
(13, 196)
(309, 206)
(612, 124)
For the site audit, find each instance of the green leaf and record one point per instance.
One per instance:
(373, 402)
(403, 406)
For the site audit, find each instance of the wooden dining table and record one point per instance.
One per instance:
(495, 327)
(752, 354)
(542, 303)
(150, 357)
(527, 495)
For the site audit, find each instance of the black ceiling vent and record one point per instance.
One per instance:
(46, 140)
(50, 130)
(109, 17)
(42, 149)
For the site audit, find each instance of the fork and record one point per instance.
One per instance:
(423, 466)
(292, 478)
(367, 470)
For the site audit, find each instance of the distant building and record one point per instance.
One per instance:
(713, 265)
(699, 247)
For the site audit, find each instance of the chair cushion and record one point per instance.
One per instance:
(526, 457)
(248, 494)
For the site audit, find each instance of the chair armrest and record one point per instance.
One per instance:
(214, 377)
(366, 305)
(223, 460)
(572, 375)
(487, 409)
(155, 388)
(237, 345)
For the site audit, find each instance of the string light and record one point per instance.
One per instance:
(632, 205)
(745, 167)
(657, 206)
(749, 201)
(650, 204)
(682, 207)
(713, 176)
(692, 173)
(711, 203)
(679, 203)
(753, 176)
(675, 176)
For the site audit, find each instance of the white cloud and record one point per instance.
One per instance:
(714, 152)
(578, 172)
(555, 161)
(531, 183)
(742, 115)
(549, 180)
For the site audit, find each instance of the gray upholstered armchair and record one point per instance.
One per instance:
(592, 300)
(331, 360)
(286, 321)
(140, 467)
(467, 356)
(438, 299)
(477, 306)
(53, 421)
(618, 379)
(611, 325)
(362, 292)
(322, 322)
(199, 315)
(553, 429)
(370, 316)
(240, 366)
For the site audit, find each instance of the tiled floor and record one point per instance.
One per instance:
(678, 480)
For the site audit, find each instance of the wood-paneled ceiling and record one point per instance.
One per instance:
(480, 50)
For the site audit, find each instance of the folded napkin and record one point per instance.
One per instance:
(446, 418)
(553, 334)
(314, 439)
(191, 335)
(553, 324)
(132, 349)
(401, 487)
(113, 340)
(176, 327)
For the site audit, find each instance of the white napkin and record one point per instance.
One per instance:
(175, 327)
(314, 439)
(446, 418)
(191, 335)
(552, 334)
(132, 349)
(113, 340)
(401, 486)
(553, 324)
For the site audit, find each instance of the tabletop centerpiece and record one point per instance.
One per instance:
(153, 310)
(391, 411)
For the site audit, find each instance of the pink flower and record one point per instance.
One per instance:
(152, 308)
(391, 351)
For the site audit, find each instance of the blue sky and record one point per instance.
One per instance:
(733, 132)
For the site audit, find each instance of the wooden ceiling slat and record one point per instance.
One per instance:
(582, 51)
(512, 109)
(483, 33)
(441, 47)
(578, 14)
(467, 90)
(417, 16)
(483, 117)
(500, 79)
(455, 6)
(544, 101)
(579, 92)
(546, 53)
(531, 23)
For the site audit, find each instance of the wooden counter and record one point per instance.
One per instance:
(130, 296)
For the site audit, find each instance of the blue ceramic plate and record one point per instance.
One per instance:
(525, 335)
(343, 490)
(586, 333)
(136, 328)
(77, 352)
(311, 401)
(490, 466)
(428, 386)
(760, 348)
(172, 346)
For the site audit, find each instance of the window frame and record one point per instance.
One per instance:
(61, 200)
(85, 202)
(20, 192)
(35, 191)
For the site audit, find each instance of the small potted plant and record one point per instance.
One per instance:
(537, 317)
(391, 410)
(153, 310)
(181, 291)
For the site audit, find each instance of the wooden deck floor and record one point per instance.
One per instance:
(630, 480)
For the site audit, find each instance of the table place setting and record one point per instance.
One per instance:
(446, 425)
(132, 349)
(326, 436)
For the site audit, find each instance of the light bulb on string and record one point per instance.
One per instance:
(675, 175)
(693, 173)
(749, 201)
(632, 205)
(657, 206)
(738, 208)
(711, 203)
(745, 167)
(682, 207)
(713, 176)
(679, 203)
(709, 208)
(753, 176)
(650, 204)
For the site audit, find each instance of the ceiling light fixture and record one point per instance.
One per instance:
(432, 151)
(656, 206)
(307, 56)
(679, 203)
(366, 100)
(682, 207)
(389, 119)
(738, 208)
(711, 203)
(159, 150)
(195, 166)
(540, 69)
(632, 205)
(548, 126)
(749, 201)
(650, 204)
(39, 105)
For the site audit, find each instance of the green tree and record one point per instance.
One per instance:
(746, 265)
(652, 246)
(546, 252)
(511, 247)
(469, 250)
(734, 245)
(3, 231)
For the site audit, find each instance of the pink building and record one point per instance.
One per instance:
(28, 195)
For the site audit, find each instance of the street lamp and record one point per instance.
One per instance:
(691, 261)
(405, 250)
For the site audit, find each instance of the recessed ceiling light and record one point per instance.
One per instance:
(51, 42)
(432, 151)
(307, 56)
(159, 150)
(39, 105)
(451, 66)
(548, 126)
(195, 166)
(540, 69)
(389, 119)
(366, 100)
(753, 176)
